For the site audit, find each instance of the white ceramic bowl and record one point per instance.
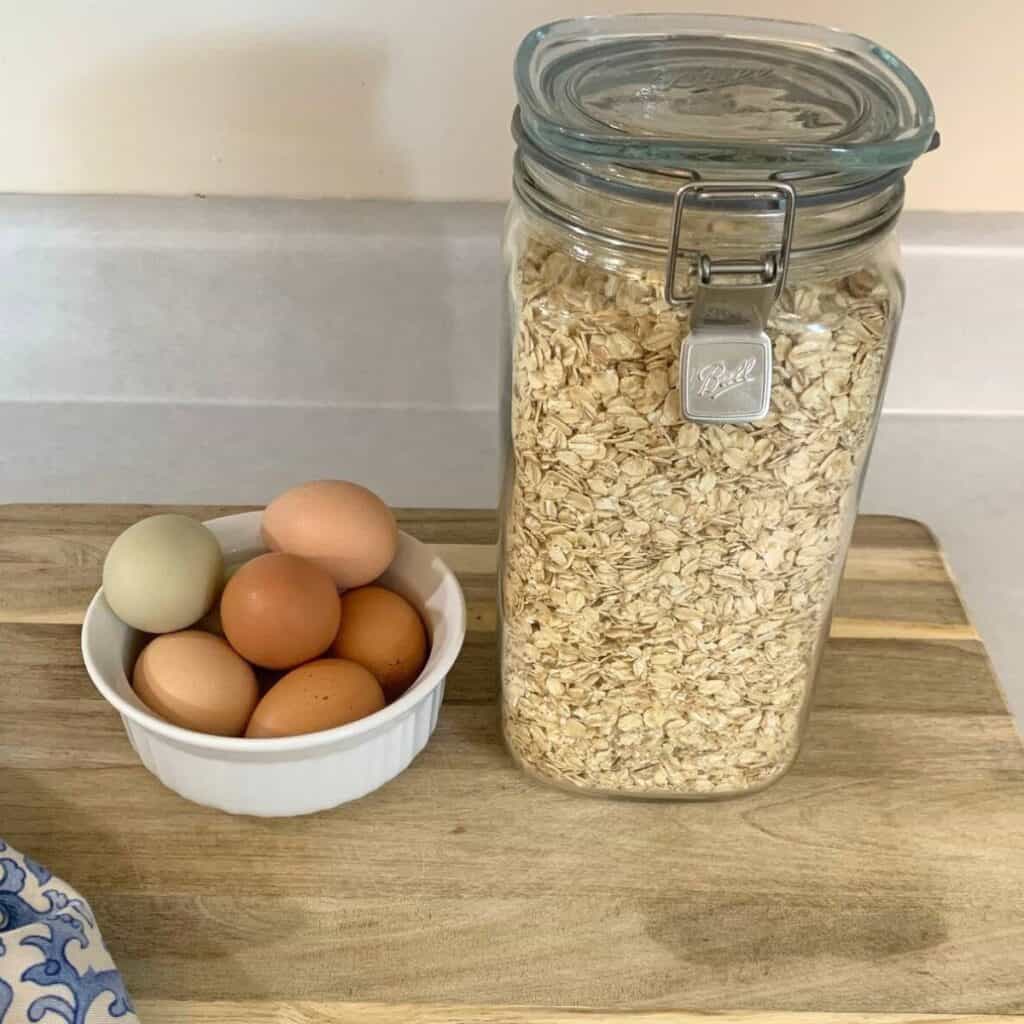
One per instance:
(293, 774)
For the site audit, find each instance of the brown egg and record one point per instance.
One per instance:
(381, 631)
(317, 696)
(280, 610)
(195, 680)
(339, 525)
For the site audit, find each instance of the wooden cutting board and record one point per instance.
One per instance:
(883, 878)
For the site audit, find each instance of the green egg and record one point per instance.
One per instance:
(163, 573)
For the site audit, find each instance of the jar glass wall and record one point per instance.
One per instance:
(666, 586)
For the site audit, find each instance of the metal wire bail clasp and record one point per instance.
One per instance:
(725, 364)
(771, 267)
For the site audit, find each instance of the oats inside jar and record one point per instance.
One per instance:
(665, 584)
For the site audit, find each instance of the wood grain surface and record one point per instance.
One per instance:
(882, 880)
(159, 1011)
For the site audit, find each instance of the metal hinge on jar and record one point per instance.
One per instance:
(725, 366)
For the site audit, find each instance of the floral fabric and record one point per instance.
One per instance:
(53, 965)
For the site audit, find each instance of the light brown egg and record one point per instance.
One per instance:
(195, 680)
(317, 696)
(381, 631)
(339, 525)
(280, 610)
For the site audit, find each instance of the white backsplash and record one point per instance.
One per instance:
(212, 350)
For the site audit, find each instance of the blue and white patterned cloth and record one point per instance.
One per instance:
(54, 967)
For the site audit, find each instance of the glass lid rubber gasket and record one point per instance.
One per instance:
(586, 179)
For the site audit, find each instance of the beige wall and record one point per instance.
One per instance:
(406, 98)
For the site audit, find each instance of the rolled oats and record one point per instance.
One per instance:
(666, 584)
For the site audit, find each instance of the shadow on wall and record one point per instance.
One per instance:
(236, 114)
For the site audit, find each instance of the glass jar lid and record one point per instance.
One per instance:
(647, 96)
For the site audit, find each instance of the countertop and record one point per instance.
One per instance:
(880, 877)
(964, 476)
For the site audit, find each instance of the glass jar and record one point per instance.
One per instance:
(703, 295)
